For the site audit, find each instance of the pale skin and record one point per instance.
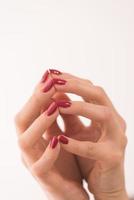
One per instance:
(95, 153)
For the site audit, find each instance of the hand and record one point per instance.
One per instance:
(106, 135)
(55, 170)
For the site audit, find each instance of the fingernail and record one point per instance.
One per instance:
(54, 71)
(63, 139)
(54, 142)
(52, 108)
(48, 86)
(44, 77)
(59, 81)
(63, 104)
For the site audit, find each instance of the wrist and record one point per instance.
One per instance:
(66, 191)
(110, 185)
(118, 195)
(70, 196)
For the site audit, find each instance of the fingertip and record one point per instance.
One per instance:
(54, 142)
(63, 139)
(51, 110)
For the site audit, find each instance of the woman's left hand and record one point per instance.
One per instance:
(56, 171)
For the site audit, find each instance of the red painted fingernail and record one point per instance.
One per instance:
(63, 139)
(54, 142)
(44, 77)
(63, 104)
(48, 86)
(59, 81)
(52, 108)
(54, 71)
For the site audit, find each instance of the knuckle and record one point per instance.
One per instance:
(118, 154)
(100, 91)
(88, 81)
(107, 114)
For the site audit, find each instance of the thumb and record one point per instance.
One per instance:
(47, 160)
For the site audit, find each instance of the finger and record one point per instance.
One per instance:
(93, 112)
(31, 110)
(84, 149)
(47, 160)
(55, 74)
(84, 88)
(71, 122)
(38, 127)
(89, 92)
(102, 114)
(101, 151)
(54, 129)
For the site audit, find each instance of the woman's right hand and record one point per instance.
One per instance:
(56, 171)
(100, 147)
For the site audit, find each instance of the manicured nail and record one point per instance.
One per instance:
(54, 71)
(48, 86)
(63, 104)
(54, 142)
(63, 139)
(44, 77)
(52, 108)
(59, 81)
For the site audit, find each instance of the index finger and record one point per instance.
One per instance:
(32, 108)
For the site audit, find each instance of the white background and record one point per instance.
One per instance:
(90, 38)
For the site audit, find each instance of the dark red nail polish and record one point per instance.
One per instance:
(54, 142)
(59, 81)
(52, 108)
(48, 86)
(54, 71)
(44, 77)
(63, 139)
(63, 104)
